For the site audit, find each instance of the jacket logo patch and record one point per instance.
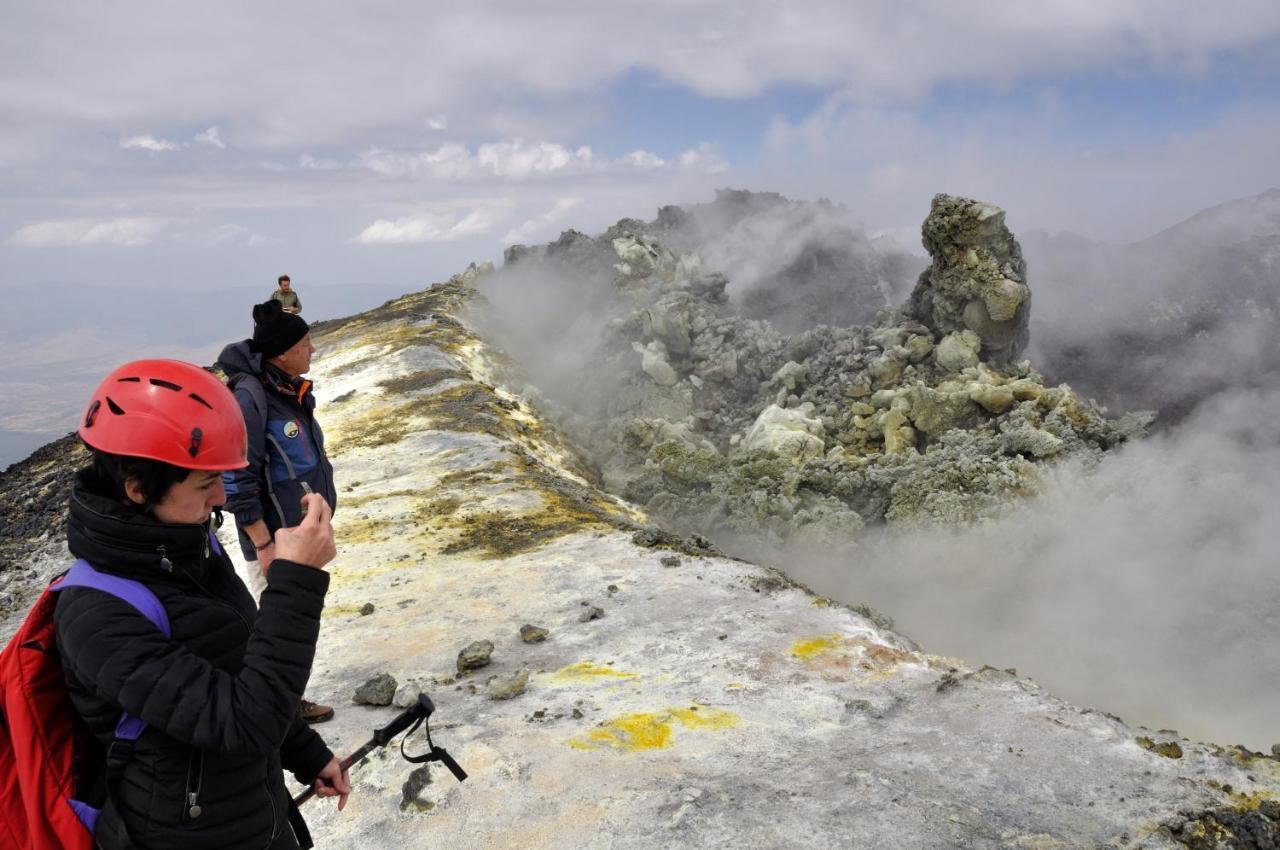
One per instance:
(291, 429)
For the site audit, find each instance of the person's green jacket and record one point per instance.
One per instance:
(288, 300)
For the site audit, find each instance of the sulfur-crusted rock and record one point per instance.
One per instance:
(533, 634)
(653, 360)
(787, 433)
(977, 280)
(958, 351)
(719, 423)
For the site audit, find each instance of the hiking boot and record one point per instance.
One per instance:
(314, 712)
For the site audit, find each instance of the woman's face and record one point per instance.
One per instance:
(190, 501)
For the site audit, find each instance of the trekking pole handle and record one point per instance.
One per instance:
(422, 709)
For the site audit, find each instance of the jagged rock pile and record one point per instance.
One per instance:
(720, 423)
(33, 510)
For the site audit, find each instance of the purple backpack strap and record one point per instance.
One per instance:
(137, 594)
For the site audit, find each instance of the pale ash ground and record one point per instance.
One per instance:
(718, 706)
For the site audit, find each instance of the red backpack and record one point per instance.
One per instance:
(44, 746)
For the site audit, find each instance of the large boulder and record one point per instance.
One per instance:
(977, 280)
(788, 433)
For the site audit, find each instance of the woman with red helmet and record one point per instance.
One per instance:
(219, 696)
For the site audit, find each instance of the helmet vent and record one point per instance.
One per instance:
(92, 413)
(128, 380)
(168, 385)
(197, 398)
(114, 408)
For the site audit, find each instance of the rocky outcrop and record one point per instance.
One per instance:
(33, 512)
(719, 423)
(977, 281)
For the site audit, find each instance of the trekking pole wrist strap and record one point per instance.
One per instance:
(435, 753)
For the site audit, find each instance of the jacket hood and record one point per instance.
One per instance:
(118, 538)
(238, 357)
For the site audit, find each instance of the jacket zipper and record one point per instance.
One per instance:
(190, 797)
(275, 818)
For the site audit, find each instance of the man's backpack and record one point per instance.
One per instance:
(253, 386)
(43, 744)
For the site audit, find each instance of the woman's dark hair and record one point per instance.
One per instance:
(154, 477)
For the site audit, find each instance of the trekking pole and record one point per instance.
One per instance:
(411, 718)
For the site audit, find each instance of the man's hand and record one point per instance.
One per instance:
(334, 782)
(310, 542)
(258, 535)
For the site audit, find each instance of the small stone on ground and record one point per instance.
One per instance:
(508, 686)
(533, 634)
(475, 655)
(377, 691)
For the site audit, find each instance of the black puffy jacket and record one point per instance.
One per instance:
(220, 699)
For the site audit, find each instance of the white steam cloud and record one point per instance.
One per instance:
(1146, 586)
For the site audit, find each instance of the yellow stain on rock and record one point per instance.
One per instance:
(588, 671)
(809, 647)
(647, 730)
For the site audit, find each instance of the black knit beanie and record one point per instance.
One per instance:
(274, 330)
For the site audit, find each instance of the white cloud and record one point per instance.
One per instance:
(148, 143)
(516, 159)
(438, 225)
(449, 161)
(642, 159)
(129, 232)
(225, 233)
(438, 122)
(705, 157)
(524, 231)
(228, 234)
(308, 162)
(211, 137)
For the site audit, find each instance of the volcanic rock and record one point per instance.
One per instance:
(474, 656)
(379, 690)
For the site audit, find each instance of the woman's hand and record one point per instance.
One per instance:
(310, 542)
(333, 782)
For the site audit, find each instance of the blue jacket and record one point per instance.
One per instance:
(286, 445)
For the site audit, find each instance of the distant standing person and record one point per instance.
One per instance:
(286, 446)
(284, 293)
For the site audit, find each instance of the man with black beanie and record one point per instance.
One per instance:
(286, 446)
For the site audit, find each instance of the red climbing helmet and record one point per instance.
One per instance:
(168, 411)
